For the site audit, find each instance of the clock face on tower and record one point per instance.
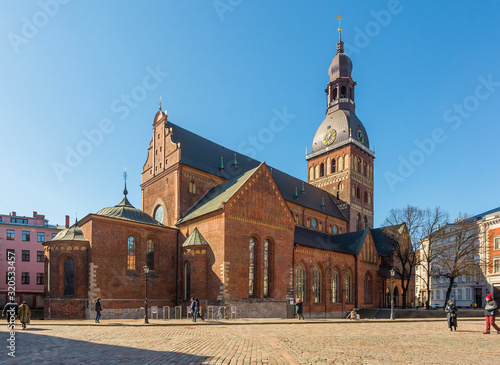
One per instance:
(329, 137)
(360, 136)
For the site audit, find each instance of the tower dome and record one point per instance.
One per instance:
(341, 65)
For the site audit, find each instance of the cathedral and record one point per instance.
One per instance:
(233, 231)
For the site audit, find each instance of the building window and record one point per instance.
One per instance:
(335, 93)
(26, 255)
(467, 293)
(11, 234)
(497, 243)
(300, 283)
(366, 197)
(343, 92)
(54, 235)
(266, 268)
(69, 277)
(39, 256)
(308, 224)
(251, 267)
(26, 236)
(438, 294)
(150, 255)
(496, 266)
(317, 285)
(358, 193)
(192, 187)
(365, 220)
(459, 294)
(159, 214)
(335, 286)
(368, 289)
(131, 253)
(334, 167)
(321, 170)
(187, 280)
(40, 237)
(25, 278)
(19, 220)
(314, 223)
(335, 229)
(39, 278)
(348, 298)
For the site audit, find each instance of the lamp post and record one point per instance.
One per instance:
(393, 272)
(146, 272)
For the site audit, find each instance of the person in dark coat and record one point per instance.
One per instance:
(298, 309)
(197, 310)
(192, 308)
(11, 310)
(98, 310)
(24, 314)
(490, 311)
(451, 314)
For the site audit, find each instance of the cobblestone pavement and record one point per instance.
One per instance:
(369, 342)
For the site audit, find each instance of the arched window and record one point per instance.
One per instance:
(251, 267)
(316, 171)
(338, 195)
(69, 277)
(340, 186)
(369, 198)
(187, 280)
(321, 170)
(311, 173)
(266, 272)
(320, 226)
(348, 294)
(366, 197)
(359, 223)
(346, 162)
(335, 286)
(308, 224)
(368, 289)
(150, 254)
(358, 193)
(317, 285)
(334, 166)
(335, 229)
(353, 190)
(192, 187)
(334, 93)
(131, 253)
(300, 283)
(341, 164)
(343, 91)
(314, 224)
(352, 94)
(365, 221)
(159, 213)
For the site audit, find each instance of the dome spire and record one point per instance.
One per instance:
(340, 44)
(125, 192)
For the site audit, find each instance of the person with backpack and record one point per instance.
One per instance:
(490, 311)
(451, 315)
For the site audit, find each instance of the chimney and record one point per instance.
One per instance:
(13, 214)
(34, 214)
(67, 221)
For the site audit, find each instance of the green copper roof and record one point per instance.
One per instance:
(126, 211)
(73, 233)
(196, 239)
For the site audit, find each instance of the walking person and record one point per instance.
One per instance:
(298, 309)
(11, 310)
(192, 308)
(24, 314)
(451, 314)
(198, 310)
(490, 311)
(98, 310)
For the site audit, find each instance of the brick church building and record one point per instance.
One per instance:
(233, 231)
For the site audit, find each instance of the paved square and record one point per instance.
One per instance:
(370, 342)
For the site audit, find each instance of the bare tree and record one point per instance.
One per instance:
(456, 254)
(405, 243)
(428, 235)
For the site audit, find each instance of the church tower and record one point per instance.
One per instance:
(341, 161)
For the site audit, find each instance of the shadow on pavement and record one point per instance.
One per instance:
(42, 349)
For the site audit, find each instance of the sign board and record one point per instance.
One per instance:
(233, 309)
(154, 309)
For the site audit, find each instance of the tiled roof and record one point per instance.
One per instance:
(73, 233)
(195, 239)
(126, 211)
(205, 155)
(349, 243)
(383, 241)
(219, 194)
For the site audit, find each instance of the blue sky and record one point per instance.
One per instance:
(426, 71)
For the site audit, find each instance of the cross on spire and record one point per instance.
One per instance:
(339, 17)
(160, 103)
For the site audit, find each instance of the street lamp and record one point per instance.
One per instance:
(393, 272)
(146, 272)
